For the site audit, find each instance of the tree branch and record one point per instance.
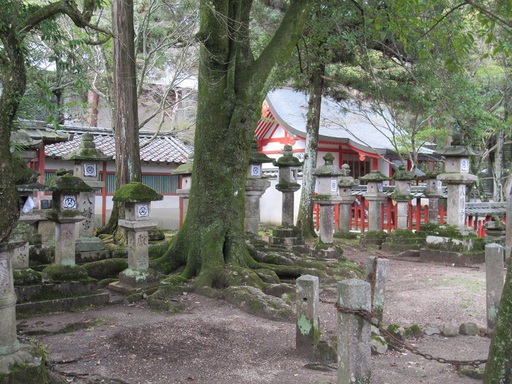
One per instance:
(63, 7)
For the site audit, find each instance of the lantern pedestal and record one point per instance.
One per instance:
(11, 351)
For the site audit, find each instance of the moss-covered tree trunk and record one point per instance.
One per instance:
(305, 216)
(126, 122)
(498, 369)
(14, 78)
(231, 92)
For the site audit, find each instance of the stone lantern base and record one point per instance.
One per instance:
(20, 357)
(132, 279)
(287, 236)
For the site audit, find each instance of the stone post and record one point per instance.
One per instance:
(10, 352)
(65, 213)
(255, 186)
(345, 184)
(136, 198)
(185, 170)
(508, 227)
(456, 175)
(354, 350)
(375, 197)
(376, 272)
(326, 198)
(494, 278)
(288, 171)
(307, 327)
(402, 195)
(434, 192)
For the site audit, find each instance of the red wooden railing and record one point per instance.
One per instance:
(417, 213)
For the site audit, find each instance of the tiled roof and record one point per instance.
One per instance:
(356, 124)
(160, 149)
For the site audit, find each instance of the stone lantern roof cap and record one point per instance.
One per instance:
(63, 181)
(403, 175)
(328, 169)
(430, 175)
(456, 149)
(87, 150)
(287, 160)
(136, 192)
(185, 169)
(257, 156)
(374, 176)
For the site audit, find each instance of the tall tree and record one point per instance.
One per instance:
(17, 20)
(231, 90)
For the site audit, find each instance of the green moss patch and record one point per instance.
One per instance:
(103, 269)
(64, 273)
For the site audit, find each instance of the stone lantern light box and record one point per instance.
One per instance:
(65, 190)
(256, 160)
(185, 171)
(87, 157)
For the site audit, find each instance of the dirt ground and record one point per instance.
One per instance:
(214, 342)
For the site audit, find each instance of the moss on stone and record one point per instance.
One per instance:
(23, 277)
(63, 181)
(136, 192)
(103, 269)
(56, 272)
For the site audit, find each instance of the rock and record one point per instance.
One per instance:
(449, 330)
(379, 345)
(432, 331)
(470, 329)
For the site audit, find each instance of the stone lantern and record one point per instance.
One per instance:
(137, 199)
(375, 197)
(402, 195)
(288, 173)
(255, 186)
(456, 175)
(327, 196)
(65, 212)
(433, 192)
(288, 166)
(87, 159)
(185, 171)
(345, 184)
(26, 230)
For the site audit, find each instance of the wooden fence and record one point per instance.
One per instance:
(476, 216)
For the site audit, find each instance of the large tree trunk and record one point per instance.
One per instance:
(231, 85)
(14, 82)
(126, 127)
(126, 124)
(305, 216)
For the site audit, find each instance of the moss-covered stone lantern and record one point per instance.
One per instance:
(375, 197)
(65, 212)
(137, 199)
(402, 195)
(185, 172)
(456, 175)
(255, 186)
(327, 196)
(87, 160)
(345, 184)
(287, 234)
(288, 174)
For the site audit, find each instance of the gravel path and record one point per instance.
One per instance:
(214, 342)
